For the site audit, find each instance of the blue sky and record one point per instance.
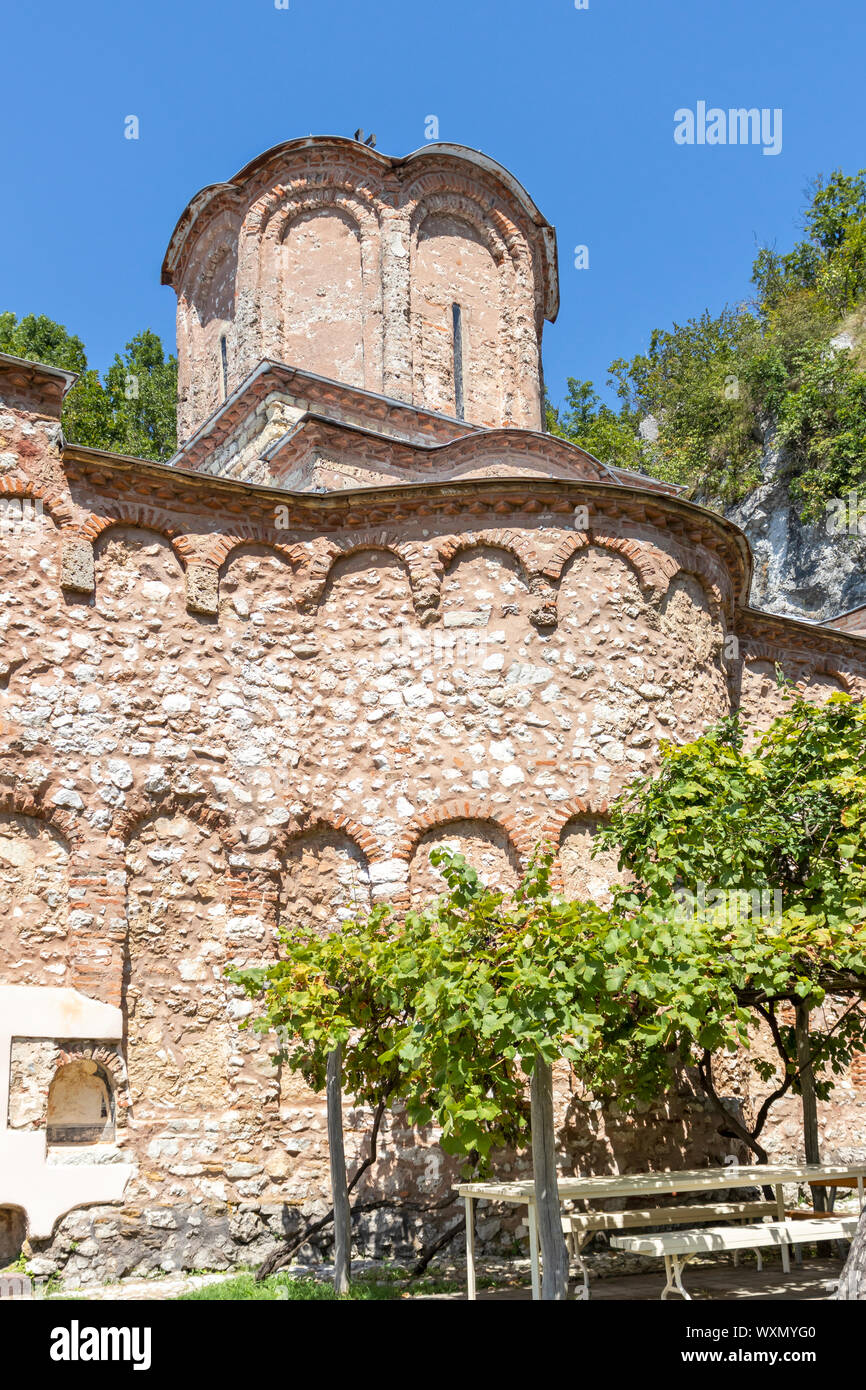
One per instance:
(578, 103)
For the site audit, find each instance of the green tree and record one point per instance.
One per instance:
(775, 832)
(141, 386)
(587, 421)
(721, 386)
(335, 1001)
(131, 412)
(457, 1009)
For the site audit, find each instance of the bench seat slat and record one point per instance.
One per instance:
(738, 1237)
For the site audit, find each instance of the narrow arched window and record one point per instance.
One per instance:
(459, 392)
(224, 365)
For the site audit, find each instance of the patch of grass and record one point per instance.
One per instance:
(244, 1289)
(390, 1282)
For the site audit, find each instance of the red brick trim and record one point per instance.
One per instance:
(310, 822)
(21, 802)
(55, 502)
(195, 808)
(551, 829)
(512, 542)
(221, 551)
(827, 667)
(654, 569)
(275, 212)
(463, 200)
(420, 571)
(145, 519)
(447, 813)
(109, 1060)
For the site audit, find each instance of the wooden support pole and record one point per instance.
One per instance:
(554, 1256)
(810, 1103)
(339, 1181)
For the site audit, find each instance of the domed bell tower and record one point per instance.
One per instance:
(426, 279)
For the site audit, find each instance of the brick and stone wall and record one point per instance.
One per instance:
(209, 726)
(260, 685)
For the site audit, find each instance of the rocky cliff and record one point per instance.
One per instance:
(807, 571)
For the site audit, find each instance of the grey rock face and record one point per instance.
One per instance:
(801, 571)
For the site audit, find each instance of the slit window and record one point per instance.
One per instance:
(224, 366)
(459, 393)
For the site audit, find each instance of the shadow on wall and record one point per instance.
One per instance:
(13, 1233)
(676, 1132)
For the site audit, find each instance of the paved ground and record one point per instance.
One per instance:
(814, 1279)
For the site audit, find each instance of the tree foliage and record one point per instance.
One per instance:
(790, 367)
(131, 412)
(775, 832)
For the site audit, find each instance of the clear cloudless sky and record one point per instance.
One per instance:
(579, 104)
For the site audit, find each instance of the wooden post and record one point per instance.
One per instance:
(810, 1103)
(471, 1290)
(554, 1256)
(339, 1181)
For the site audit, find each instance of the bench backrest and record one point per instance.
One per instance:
(579, 1221)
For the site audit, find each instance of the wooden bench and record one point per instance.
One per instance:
(580, 1226)
(676, 1248)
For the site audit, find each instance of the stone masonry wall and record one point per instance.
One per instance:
(221, 735)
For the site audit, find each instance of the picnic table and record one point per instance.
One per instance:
(594, 1190)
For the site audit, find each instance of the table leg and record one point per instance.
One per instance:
(533, 1252)
(780, 1216)
(674, 1275)
(470, 1247)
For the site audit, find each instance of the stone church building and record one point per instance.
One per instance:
(368, 607)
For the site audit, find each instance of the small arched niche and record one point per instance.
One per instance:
(587, 877)
(80, 1105)
(485, 846)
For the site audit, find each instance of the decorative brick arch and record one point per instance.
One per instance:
(21, 802)
(318, 573)
(275, 211)
(142, 518)
(218, 243)
(194, 808)
(762, 651)
(550, 830)
(54, 502)
(111, 1062)
(792, 663)
(652, 567)
(510, 243)
(310, 822)
(512, 542)
(265, 229)
(463, 204)
(827, 667)
(699, 567)
(446, 813)
(221, 550)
